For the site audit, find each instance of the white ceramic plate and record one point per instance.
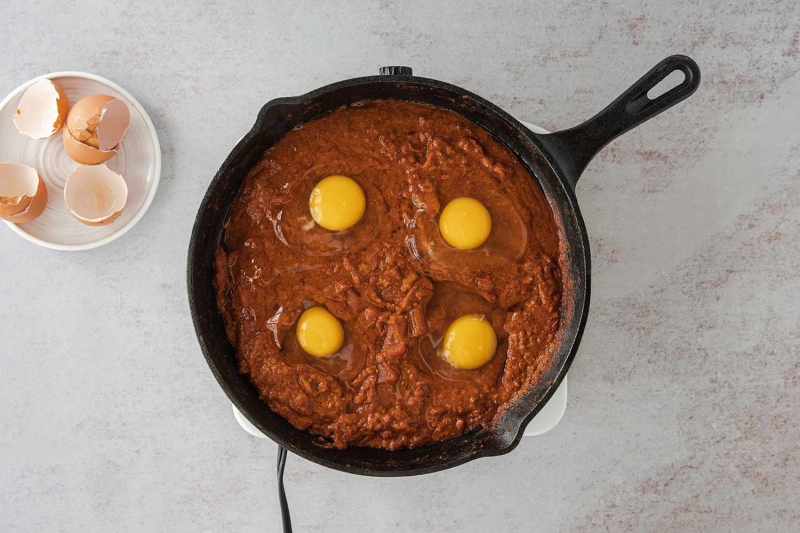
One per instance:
(138, 161)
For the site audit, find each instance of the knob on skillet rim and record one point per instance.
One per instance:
(395, 71)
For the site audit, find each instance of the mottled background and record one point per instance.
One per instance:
(684, 397)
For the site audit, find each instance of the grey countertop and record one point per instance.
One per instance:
(685, 394)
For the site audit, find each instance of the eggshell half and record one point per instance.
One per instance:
(95, 195)
(23, 194)
(84, 117)
(83, 153)
(42, 110)
(99, 120)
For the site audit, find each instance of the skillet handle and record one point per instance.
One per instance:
(574, 148)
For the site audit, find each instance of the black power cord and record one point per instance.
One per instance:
(287, 520)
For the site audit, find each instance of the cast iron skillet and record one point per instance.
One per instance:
(556, 160)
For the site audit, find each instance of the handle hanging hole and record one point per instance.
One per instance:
(673, 79)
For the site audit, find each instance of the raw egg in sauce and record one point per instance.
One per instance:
(337, 203)
(319, 333)
(465, 223)
(470, 342)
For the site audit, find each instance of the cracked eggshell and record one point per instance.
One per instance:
(23, 194)
(99, 120)
(42, 110)
(95, 195)
(83, 153)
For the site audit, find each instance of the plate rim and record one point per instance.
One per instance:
(156, 171)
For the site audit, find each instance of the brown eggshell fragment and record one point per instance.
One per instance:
(114, 121)
(23, 194)
(99, 120)
(84, 117)
(83, 153)
(95, 195)
(42, 110)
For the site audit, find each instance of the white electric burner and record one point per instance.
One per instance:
(548, 418)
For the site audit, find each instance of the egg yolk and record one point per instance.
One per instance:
(465, 223)
(319, 333)
(470, 342)
(337, 203)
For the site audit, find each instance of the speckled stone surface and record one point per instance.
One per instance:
(684, 397)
